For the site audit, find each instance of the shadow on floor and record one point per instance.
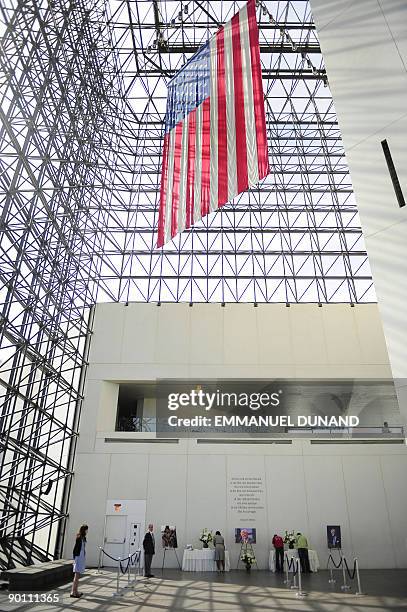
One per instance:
(236, 591)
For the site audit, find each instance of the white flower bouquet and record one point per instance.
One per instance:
(206, 537)
(289, 538)
(247, 557)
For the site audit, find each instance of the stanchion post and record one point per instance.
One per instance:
(331, 579)
(128, 572)
(137, 568)
(134, 563)
(100, 559)
(359, 591)
(117, 579)
(345, 586)
(287, 580)
(294, 584)
(300, 592)
(135, 573)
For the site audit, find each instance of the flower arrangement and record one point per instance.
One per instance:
(248, 558)
(289, 538)
(206, 537)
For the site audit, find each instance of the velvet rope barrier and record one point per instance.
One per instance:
(330, 558)
(127, 566)
(114, 558)
(129, 561)
(292, 563)
(351, 575)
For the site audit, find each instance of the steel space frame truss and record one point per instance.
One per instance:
(83, 91)
(59, 104)
(297, 237)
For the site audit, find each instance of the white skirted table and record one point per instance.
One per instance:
(292, 552)
(202, 560)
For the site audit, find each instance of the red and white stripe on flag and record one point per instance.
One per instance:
(215, 143)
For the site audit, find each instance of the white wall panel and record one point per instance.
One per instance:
(139, 333)
(274, 341)
(364, 45)
(240, 341)
(286, 496)
(370, 334)
(340, 327)
(393, 13)
(309, 341)
(394, 470)
(206, 497)
(89, 416)
(206, 334)
(128, 476)
(390, 246)
(88, 503)
(368, 515)
(327, 503)
(166, 500)
(173, 330)
(361, 57)
(107, 338)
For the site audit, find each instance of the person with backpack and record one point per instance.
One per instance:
(279, 552)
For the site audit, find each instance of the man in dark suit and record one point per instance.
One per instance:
(149, 551)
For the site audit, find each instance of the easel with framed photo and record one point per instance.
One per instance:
(176, 556)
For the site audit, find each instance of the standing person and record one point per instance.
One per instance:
(149, 551)
(79, 559)
(302, 546)
(278, 544)
(219, 544)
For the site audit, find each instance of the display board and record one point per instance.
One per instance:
(169, 536)
(333, 534)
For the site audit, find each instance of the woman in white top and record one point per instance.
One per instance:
(79, 559)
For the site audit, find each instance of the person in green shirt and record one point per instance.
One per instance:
(302, 547)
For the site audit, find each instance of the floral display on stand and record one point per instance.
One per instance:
(246, 551)
(206, 537)
(247, 556)
(290, 539)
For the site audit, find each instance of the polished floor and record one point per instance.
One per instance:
(236, 591)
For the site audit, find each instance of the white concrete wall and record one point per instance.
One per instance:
(306, 486)
(360, 487)
(145, 342)
(364, 44)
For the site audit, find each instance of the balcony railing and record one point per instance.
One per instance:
(136, 424)
(149, 425)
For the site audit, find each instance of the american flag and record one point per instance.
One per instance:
(215, 143)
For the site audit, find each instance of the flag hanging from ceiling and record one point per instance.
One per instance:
(215, 143)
